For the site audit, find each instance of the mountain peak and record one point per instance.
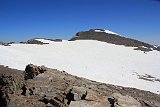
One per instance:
(113, 38)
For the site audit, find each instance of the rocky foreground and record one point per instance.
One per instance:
(43, 87)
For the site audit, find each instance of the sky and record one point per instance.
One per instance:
(21, 20)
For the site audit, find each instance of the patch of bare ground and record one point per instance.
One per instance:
(148, 77)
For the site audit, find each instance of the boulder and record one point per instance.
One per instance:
(95, 96)
(79, 93)
(31, 71)
(124, 101)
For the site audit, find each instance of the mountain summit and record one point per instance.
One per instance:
(113, 38)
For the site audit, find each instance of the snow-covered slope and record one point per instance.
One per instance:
(95, 60)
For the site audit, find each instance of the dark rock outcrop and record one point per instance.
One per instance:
(111, 38)
(31, 71)
(55, 40)
(11, 81)
(46, 87)
(144, 49)
(158, 48)
(6, 43)
(34, 41)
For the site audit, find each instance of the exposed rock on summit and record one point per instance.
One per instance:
(113, 38)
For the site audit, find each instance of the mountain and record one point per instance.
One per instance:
(112, 37)
(118, 71)
(99, 55)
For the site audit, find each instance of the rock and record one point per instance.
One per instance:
(125, 101)
(52, 88)
(84, 103)
(22, 42)
(149, 103)
(98, 99)
(79, 93)
(144, 49)
(56, 103)
(95, 96)
(158, 48)
(34, 41)
(5, 44)
(57, 40)
(31, 71)
(110, 38)
(23, 101)
(11, 82)
(60, 97)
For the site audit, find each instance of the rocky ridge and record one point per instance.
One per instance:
(39, 86)
(6, 43)
(117, 39)
(35, 41)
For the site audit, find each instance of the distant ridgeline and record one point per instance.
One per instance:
(114, 38)
(37, 41)
(6, 43)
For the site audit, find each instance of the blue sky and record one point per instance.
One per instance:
(24, 19)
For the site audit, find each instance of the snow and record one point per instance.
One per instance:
(44, 40)
(95, 60)
(106, 31)
(144, 47)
